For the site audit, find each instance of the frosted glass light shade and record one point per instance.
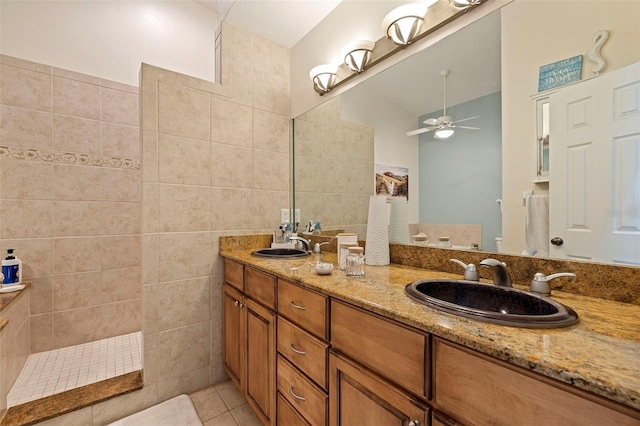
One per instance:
(444, 133)
(403, 23)
(357, 54)
(464, 3)
(323, 76)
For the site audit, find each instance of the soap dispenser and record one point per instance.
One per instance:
(317, 252)
(11, 269)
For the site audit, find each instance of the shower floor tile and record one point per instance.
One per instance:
(59, 370)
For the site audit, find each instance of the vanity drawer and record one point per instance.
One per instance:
(302, 394)
(389, 348)
(305, 351)
(234, 274)
(260, 287)
(287, 416)
(304, 307)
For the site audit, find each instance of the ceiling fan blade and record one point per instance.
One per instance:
(418, 131)
(432, 121)
(467, 127)
(465, 119)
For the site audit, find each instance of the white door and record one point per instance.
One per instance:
(594, 188)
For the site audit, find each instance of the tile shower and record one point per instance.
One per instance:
(235, 149)
(70, 202)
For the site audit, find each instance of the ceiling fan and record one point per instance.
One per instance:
(443, 125)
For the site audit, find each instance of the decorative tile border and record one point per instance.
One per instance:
(30, 154)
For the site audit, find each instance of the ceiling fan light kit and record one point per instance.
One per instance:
(443, 125)
(401, 25)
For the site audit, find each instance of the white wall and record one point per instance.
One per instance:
(389, 121)
(535, 33)
(110, 39)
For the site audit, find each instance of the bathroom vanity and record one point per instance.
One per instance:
(337, 350)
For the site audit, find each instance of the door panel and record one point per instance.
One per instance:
(594, 190)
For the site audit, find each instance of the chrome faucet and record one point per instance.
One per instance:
(500, 274)
(307, 244)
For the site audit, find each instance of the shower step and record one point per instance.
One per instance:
(65, 402)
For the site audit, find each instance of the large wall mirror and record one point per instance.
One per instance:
(466, 179)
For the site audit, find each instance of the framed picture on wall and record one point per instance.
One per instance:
(392, 181)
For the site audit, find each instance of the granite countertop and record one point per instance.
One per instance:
(600, 354)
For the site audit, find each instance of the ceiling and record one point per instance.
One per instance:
(282, 21)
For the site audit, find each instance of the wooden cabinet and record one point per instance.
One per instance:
(306, 352)
(233, 332)
(360, 397)
(390, 349)
(260, 387)
(287, 415)
(302, 352)
(336, 364)
(476, 389)
(249, 346)
(308, 400)
(305, 308)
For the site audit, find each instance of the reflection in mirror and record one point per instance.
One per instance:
(338, 144)
(451, 182)
(542, 139)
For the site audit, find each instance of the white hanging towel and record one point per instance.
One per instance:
(536, 226)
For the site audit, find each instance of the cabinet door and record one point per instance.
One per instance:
(476, 389)
(260, 362)
(233, 338)
(359, 397)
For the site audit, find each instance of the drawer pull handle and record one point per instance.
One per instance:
(293, 305)
(294, 394)
(299, 352)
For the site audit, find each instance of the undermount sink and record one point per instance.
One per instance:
(280, 253)
(490, 303)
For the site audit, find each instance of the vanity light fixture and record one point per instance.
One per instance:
(403, 23)
(444, 133)
(323, 77)
(357, 54)
(465, 3)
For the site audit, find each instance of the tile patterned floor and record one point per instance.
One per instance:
(51, 372)
(223, 405)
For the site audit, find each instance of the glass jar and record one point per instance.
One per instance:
(355, 262)
(343, 252)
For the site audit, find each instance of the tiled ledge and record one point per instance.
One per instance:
(7, 298)
(52, 406)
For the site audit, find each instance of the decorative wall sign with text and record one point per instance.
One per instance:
(560, 73)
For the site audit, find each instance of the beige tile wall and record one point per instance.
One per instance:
(14, 344)
(215, 162)
(70, 200)
(341, 152)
